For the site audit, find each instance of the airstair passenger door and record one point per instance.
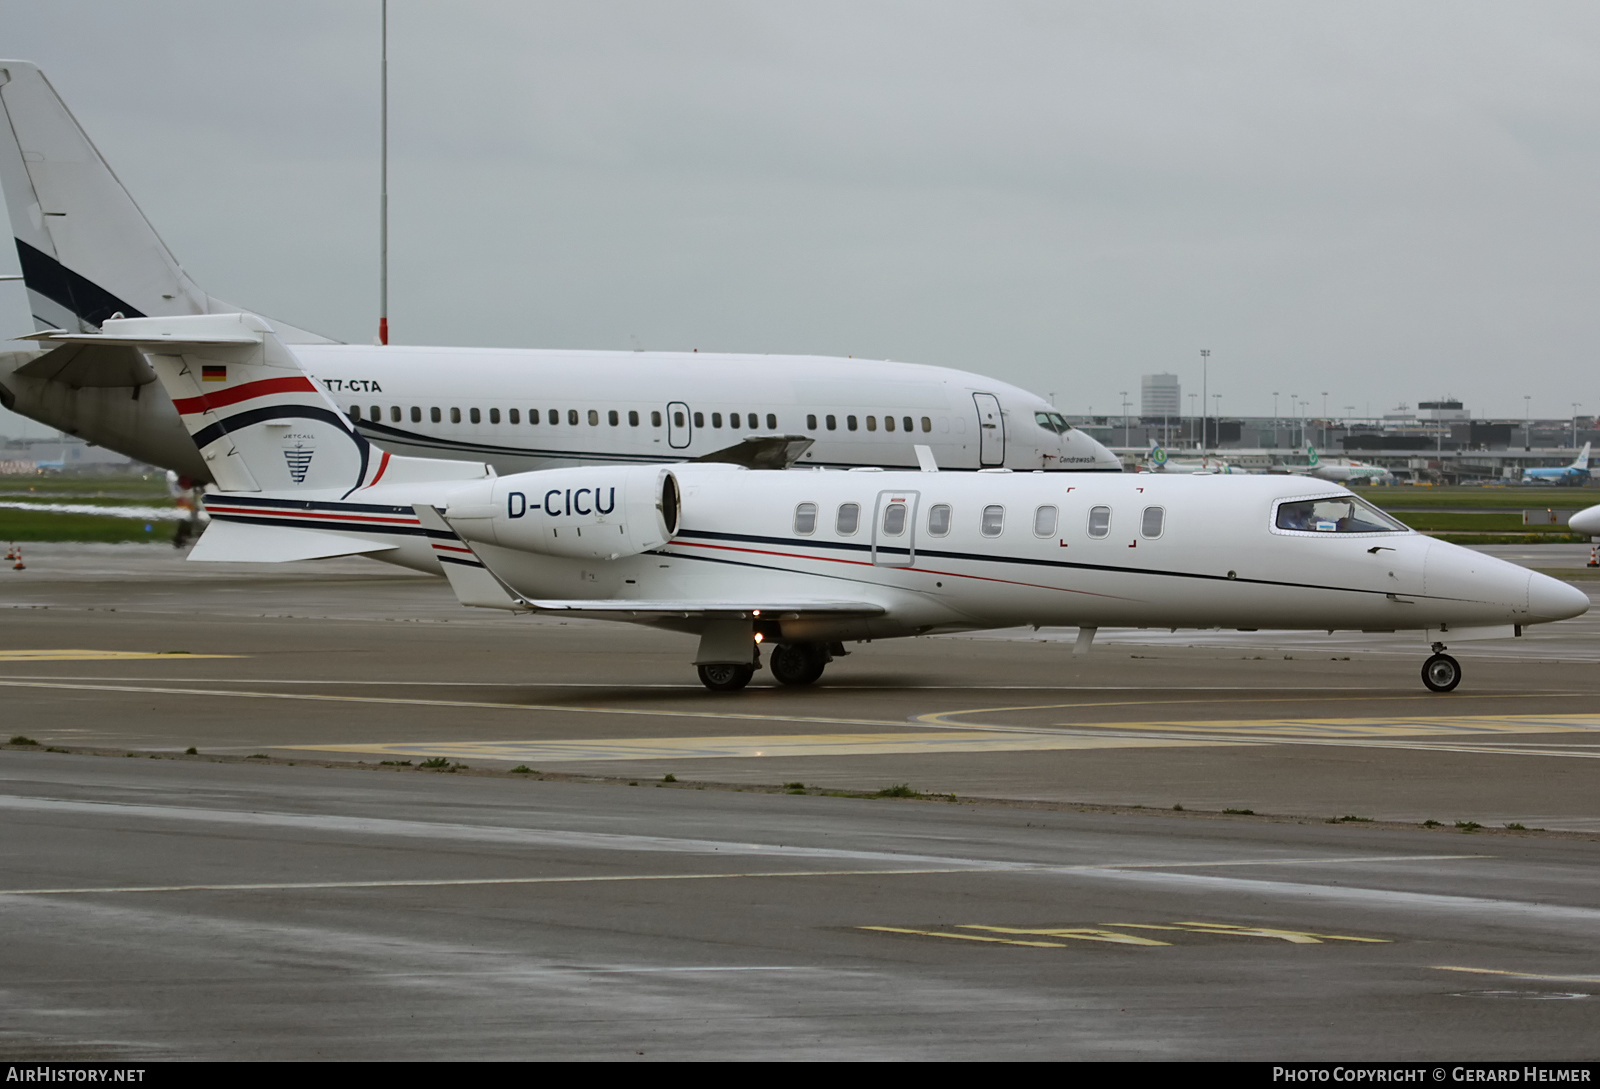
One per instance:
(894, 529)
(680, 425)
(991, 431)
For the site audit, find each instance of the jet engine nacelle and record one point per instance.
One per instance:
(598, 513)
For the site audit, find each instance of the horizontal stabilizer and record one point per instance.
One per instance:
(473, 583)
(229, 542)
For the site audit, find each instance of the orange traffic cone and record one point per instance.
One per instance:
(11, 553)
(17, 552)
(1594, 555)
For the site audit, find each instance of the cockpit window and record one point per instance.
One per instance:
(1335, 514)
(1052, 421)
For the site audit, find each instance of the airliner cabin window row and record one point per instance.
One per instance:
(994, 520)
(1335, 514)
(939, 520)
(1099, 521)
(1155, 521)
(805, 519)
(849, 519)
(1044, 522)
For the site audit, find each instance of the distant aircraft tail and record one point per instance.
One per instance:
(86, 251)
(1311, 456)
(260, 422)
(1158, 455)
(1581, 462)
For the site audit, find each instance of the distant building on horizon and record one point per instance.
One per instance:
(1160, 395)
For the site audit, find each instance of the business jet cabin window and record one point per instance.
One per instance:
(1044, 522)
(1099, 521)
(849, 518)
(805, 519)
(1155, 520)
(994, 520)
(939, 520)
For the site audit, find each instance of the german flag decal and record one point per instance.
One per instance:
(214, 374)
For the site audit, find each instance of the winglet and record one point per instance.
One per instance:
(470, 578)
(925, 459)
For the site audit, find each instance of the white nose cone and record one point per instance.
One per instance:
(1586, 522)
(1552, 599)
(1079, 451)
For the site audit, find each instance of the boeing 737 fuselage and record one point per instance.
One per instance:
(86, 254)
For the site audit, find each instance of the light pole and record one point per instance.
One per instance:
(1205, 361)
(1575, 405)
(1274, 417)
(1124, 417)
(1191, 415)
(1324, 417)
(1527, 423)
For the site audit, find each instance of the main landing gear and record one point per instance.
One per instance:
(792, 664)
(1441, 673)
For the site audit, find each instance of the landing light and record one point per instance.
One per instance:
(758, 637)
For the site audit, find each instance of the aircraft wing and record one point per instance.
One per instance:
(475, 583)
(762, 451)
(734, 610)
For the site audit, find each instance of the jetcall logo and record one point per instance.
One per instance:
(299, 458)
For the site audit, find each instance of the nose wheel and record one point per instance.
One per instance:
(1441, 673)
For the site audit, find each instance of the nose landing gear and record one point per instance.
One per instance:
(1441, 673)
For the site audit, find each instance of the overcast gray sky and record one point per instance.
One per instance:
(1385, 201)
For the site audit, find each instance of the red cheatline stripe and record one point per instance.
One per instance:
(383, 467)
(247, 392)
(214, 509)
(437, 547)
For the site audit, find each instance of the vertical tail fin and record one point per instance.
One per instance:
(85, 249)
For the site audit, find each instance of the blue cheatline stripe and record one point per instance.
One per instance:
(241, 420)
(1028, 561)
(87, 300)
(348, 527)
(312, 504)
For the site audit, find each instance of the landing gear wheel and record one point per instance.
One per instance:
(1441, 673)
(798, 663)
(726, 678)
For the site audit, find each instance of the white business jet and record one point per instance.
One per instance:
(87, 253)
(805, 561)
